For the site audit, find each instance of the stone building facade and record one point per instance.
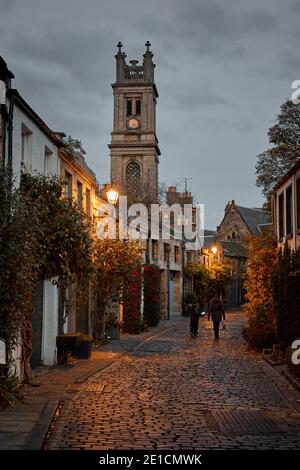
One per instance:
(134, 149)
(238, 224)
(134, 160)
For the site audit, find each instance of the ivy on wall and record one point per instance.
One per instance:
(42, 234)
(132, 304)
(151, 281)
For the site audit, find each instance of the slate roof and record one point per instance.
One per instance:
(254, 218)
(233, 250)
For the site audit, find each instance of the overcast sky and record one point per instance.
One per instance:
(223, 68)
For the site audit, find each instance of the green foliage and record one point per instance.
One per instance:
(115, 261)
(10, 389)
(220, 275)
(260, 330)
(74, 146)
(201, 280)
(151, 295)
(286, 296)
(42, 234)
(19, 265)
(206, 280)
(132, 305)
(285, 151)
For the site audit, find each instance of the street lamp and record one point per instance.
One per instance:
(214, 249)
(112, 196)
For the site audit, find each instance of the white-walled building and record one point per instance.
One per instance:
(28, 145)
(286, 208)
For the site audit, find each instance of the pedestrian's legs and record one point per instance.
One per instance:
(216, 329)
(192, 326)
(196, 325)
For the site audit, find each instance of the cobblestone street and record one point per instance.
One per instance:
(175, 392)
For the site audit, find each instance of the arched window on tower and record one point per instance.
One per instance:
(133, 178)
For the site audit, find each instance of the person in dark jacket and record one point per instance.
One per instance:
(216, 312)
(193, 311)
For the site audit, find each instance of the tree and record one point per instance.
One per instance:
(260, 331)
(115, 261)
(220, 274)
(201, 279)
(285, 137)
(74, 145)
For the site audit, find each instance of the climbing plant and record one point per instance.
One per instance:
(42, 235)
(201, 280)
(260, 330)
(286, 296)
(115, 261)
(151, 284)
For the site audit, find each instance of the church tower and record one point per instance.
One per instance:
(134, 150)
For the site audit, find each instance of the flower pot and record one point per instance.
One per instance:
(65, 347)
(83, 350)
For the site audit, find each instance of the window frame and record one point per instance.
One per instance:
(281, 215)
(289, 229)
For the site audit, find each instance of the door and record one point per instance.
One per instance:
(37, 326)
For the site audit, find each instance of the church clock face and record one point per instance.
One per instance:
(133, 123)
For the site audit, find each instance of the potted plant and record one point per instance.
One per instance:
(83, 347)
(65, 347)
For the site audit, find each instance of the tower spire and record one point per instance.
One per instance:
(120, 62)
(119, 46)
(148, 63)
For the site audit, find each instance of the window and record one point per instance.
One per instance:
(177, 254)
(167, 250)
(289, 210)
(138, 107)
(88, 203)
(298, 202)
(133, 177)
(129, 107)
(79, 194)
(154, 249)
(280, 216)
(26, 147)
(68, 183)
(48, 161)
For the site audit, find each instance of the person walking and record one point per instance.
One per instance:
(193, 311)
(216, 312)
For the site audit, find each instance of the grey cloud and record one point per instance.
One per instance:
(222, 72)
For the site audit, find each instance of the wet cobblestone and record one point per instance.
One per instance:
(169, 392)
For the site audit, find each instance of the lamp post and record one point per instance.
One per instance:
(214, 249)
(112, 196)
